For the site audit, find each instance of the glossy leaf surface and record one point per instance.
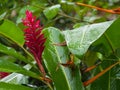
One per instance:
(7, 86)
(12, 52)
(51, 12)
(79, 40)
(53, 55)
(11, 31)
(6, 66)
(111, 37)
(16, 78)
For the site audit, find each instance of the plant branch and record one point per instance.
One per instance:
(65, 15)
(113, 11)
(27, 52)
(86, 83)
(60, 44)
(109, 42)
(40, 66)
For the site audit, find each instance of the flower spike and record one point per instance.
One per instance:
(34, 38)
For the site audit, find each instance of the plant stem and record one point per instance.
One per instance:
(109, 42)
(39, 63)
(27, 52)
(100, 74)
(41, 68)
(60, 44)
(114, 11)
(49, 86)
(65, 15)
(30, 56)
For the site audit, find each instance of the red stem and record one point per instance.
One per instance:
(116, 11)
(40, 65)
(90, 68)
(99, 74)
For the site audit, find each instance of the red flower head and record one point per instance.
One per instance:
(34, 38)
(3, 74)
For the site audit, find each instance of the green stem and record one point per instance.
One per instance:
(49, 86)
(73, 18)
(30, 56)
(27, 52)
(65, 15)
(109, 42)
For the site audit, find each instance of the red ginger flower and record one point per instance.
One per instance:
(34, 38)
(3, 74)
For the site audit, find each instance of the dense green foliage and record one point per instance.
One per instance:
(91, 36)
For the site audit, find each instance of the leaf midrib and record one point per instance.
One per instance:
(61, 67)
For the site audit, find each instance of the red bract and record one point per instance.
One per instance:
(3, 74)
(34, 38)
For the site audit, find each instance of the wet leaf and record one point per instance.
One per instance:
(53, 55)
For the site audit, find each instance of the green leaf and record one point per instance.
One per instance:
(67, 6)
(9, 58)
(16, 78)
(6, 66)
(64, 78)
(8, 86)
(78, 40)
(12, 52)
(111, 37)
(52, 11)
(11, 31)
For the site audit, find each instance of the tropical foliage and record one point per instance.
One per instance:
(59, 45)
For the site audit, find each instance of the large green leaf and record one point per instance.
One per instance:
(110, 80)
(52, 11)
(6, 66)
(12, 52)
(8, 86)
(79, 40)
(111, 37)
(11, 31)
(16, 78)
(64, 78)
